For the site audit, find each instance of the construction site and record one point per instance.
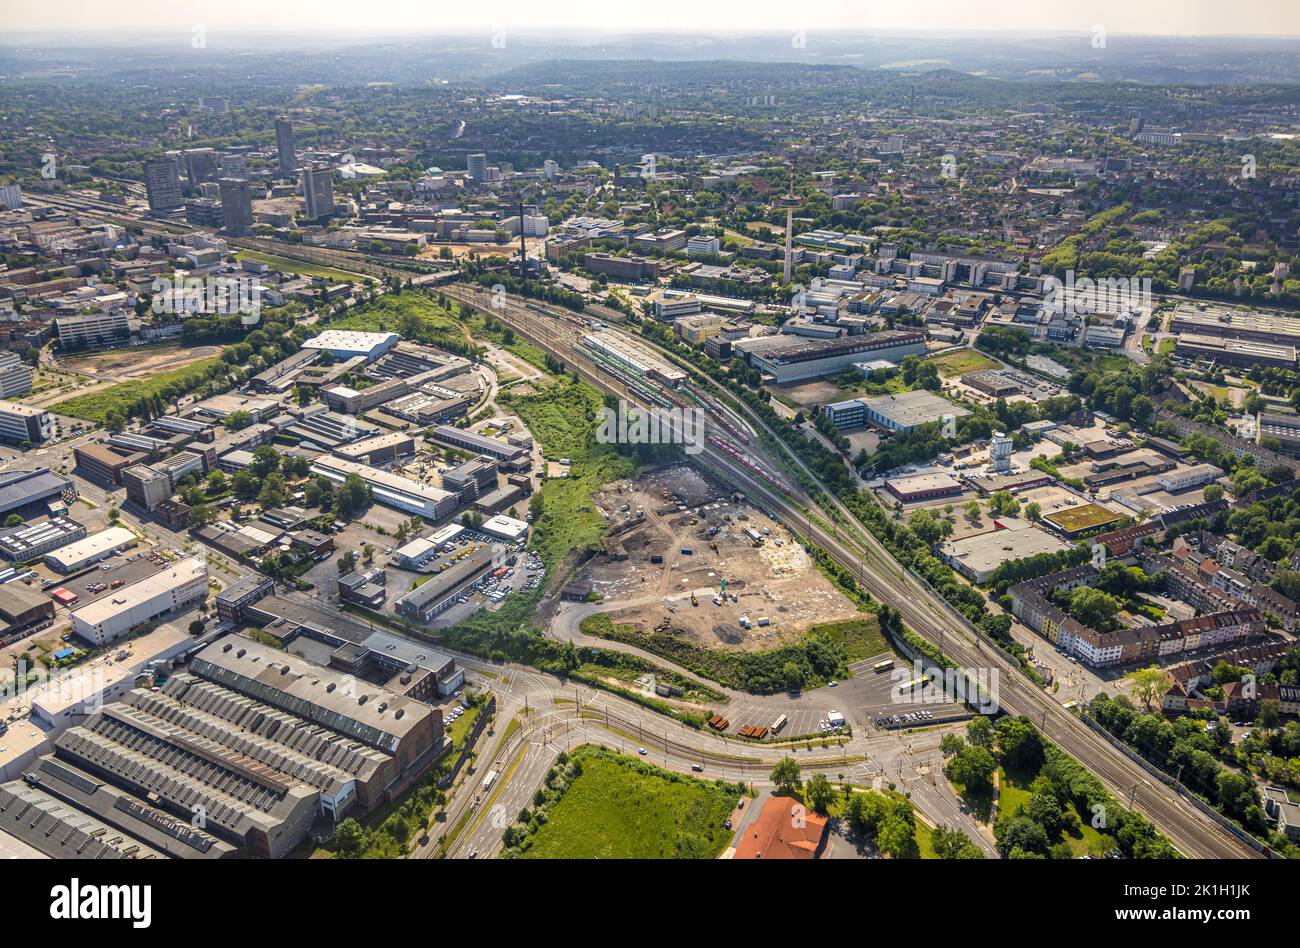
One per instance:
(686, 555)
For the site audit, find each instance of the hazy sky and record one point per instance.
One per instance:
(1182, 17)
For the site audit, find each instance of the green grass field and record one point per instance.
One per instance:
(302, 268)
(414, 315)
(961, 361)
(561, 418)
(622, 808)
(97, 406)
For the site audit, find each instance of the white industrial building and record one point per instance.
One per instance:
(91, 549)
(507, 528)
(391, 490)
(112, 616)
(345, 343)
(415, 553)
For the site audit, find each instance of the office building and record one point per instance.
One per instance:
(106, 462)
(92, 330)
(236, 206)
(318, 191)
(1195, 476)
(181, 584)
(284, 146)
(233, 601)
(701, 245)
(621, 268)
(383, 449)
(366, 589)
(200, 165)
(476, 167)
(162, 184)
(15, 375)
(473, 478)
(25, 423)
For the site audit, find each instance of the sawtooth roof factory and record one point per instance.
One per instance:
(264, 741)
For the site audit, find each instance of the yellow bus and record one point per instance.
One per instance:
(884, 666)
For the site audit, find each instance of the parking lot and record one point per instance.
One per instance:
(113, 573)
(872, 695)
(801, 722)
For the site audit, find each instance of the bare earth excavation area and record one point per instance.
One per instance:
(688, 557)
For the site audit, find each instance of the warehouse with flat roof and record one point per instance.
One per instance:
(907, 410)
(1242, 353)
(113, 615)
(506, 454)
(1073, 521)
(632, 356)
(916, 487)
(979, 556)
(788, 358)
(346, 343)
(1218, 320)
(91, 549)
